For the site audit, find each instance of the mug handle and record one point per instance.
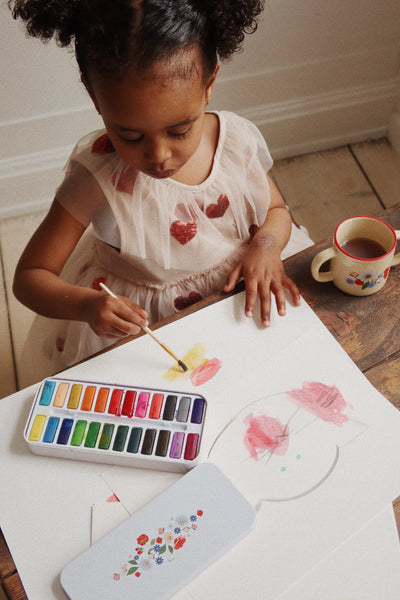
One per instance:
(321, 258)
(396, 257)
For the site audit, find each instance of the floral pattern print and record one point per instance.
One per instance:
(367, 279)
(161, 548)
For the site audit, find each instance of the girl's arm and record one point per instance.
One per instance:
(261, 267)
(37, 283)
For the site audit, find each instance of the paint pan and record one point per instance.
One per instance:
(116, 424)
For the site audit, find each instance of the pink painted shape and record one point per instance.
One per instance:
(265, 434)
(205, 371)
(324, 401)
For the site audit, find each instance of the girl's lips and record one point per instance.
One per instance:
(161, 174)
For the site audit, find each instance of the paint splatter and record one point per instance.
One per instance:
(200, 368)
(324, 401)
(265, 434)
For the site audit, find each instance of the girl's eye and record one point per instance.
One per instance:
(132, 140)
(174, 134)
(181, 134)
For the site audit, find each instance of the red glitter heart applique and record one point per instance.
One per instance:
(125, 181)
(181, 302)
(103, 145)
(96, 283)
(213, 211)
(183, 233)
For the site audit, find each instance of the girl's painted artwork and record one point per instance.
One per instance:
(200, 368)
(284, 446)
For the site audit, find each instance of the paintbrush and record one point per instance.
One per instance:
(150, 332)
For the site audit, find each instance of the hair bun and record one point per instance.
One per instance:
(48, 19)
(231, 21)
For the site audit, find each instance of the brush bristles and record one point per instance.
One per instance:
(182, 365)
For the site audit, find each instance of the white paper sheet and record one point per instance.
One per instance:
(330, 467)
(365, 567)
(45, 503)
(104, 517)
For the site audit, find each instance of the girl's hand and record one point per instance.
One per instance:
(113, 318)
(263, 273)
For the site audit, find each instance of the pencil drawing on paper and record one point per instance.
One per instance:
(290, 441)
(200, 368)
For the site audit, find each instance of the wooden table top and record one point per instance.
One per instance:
(367, 328)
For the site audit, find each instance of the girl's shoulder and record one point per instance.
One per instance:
(243, 138)
(97, 154)
(95, 146)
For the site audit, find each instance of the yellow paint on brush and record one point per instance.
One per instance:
(193, 358)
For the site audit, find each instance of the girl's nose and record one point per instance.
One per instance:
(157, 152)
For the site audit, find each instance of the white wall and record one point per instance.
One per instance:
(316, 74)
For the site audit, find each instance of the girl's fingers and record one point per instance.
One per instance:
(130, 311)
(116, 318)
(294, 291)
(280, 300)
(265, 310)
(119, 328)
(132, 317)
(251, 296)
(128, 322)
(233, 278)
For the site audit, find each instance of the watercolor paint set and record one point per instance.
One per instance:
(166, 543)
(116, 424)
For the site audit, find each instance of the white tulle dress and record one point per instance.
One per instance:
(161, 243)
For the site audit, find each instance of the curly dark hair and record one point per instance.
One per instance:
(114, 35)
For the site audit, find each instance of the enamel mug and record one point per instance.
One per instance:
(361, 255)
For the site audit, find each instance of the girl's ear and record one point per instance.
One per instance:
(210, 84)
(91, 94)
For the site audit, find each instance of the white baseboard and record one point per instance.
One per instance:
(323, 121)
(28, 179)
(291, 127)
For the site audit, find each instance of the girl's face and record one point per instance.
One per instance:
(155, 120)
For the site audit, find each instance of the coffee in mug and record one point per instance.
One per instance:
(362, 253)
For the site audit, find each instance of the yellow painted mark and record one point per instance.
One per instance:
(193, 358)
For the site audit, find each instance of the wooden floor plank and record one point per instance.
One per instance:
(14, 234)
(13, 588)
(323, 188)
(385, 378)
(2, 593)
(7, 566)
(381, 165)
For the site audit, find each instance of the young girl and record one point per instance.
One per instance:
(175, 200)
